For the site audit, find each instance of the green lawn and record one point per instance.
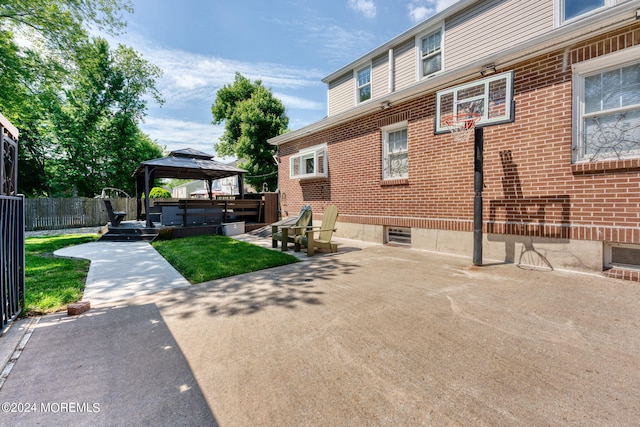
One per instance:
(51, 282)
(204, 258)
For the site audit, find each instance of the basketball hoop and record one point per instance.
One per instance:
(462, 125)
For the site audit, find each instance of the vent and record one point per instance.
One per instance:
(399, 236)
(625, 256)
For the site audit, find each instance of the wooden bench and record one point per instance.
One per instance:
(115, 217)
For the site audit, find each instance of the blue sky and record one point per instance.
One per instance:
(288, 44)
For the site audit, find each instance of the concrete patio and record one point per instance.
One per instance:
(369, 336)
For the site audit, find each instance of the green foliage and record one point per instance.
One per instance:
(76, 101)
(203, 258)
(52, 283)
(252, 115)
(159, 193)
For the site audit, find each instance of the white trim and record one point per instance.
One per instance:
(582, 70)
(311, 152)
(4, 122)
(418, 51)
(615, 59)
(385, 145)
(558, 12)
(357, 86)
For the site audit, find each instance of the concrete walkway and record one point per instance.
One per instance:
(122, 270)
(369, 336)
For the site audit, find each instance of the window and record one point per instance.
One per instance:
(431, 53)
(607, 107)
(395, 149)
(309, 163)
(364, 84)
(566, 10)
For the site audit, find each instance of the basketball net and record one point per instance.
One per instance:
(461, 126)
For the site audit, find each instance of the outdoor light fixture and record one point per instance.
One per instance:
(488, 69)
(384, 105)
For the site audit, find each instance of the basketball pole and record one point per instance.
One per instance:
(478, 184)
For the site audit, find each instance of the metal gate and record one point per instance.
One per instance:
(11, 227)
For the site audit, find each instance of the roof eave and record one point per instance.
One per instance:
(559, 38)
(411, 32)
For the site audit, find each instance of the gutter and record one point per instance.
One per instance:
(563, 37)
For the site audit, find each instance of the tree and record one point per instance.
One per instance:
(76, 102)
(252, 115)
(97, 132)
(62, 24)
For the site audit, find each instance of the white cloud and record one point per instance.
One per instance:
(443, 4)
(297, 102)
(419, 10)
(178, 134)
(189, 77)
(419, 13)
(366, 7)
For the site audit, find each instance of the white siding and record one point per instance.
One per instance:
(380, 76)
(405, 64)
(341, 94)
(493, 26)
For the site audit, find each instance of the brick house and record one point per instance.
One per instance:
(558, 88)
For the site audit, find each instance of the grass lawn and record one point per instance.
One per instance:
(203, 258)
(50, 282)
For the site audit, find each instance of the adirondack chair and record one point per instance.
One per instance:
(324, 233)
(287, 230)
(115, 217)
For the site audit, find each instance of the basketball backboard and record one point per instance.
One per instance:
(490, 97)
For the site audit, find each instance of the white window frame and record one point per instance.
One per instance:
(356, 72)
(588, 68)
(420, 57)
(559, 10)
(319, 155)
(385, 148)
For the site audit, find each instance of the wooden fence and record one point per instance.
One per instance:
(56, 214)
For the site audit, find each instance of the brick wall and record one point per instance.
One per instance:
(531, 186)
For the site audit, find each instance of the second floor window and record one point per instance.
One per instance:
(570, 9)
(431, 51)
(364, 84)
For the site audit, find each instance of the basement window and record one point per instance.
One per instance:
(622, 256)
(398, 236)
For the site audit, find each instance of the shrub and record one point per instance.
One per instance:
(159, 193)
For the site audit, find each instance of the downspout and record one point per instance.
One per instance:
(392, 72)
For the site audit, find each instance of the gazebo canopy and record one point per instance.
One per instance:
(183, 164)
(188, 164)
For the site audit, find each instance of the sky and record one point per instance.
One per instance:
(290, 45)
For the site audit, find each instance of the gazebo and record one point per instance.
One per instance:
(183, 164)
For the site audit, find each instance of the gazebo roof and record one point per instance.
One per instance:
(188, 164)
